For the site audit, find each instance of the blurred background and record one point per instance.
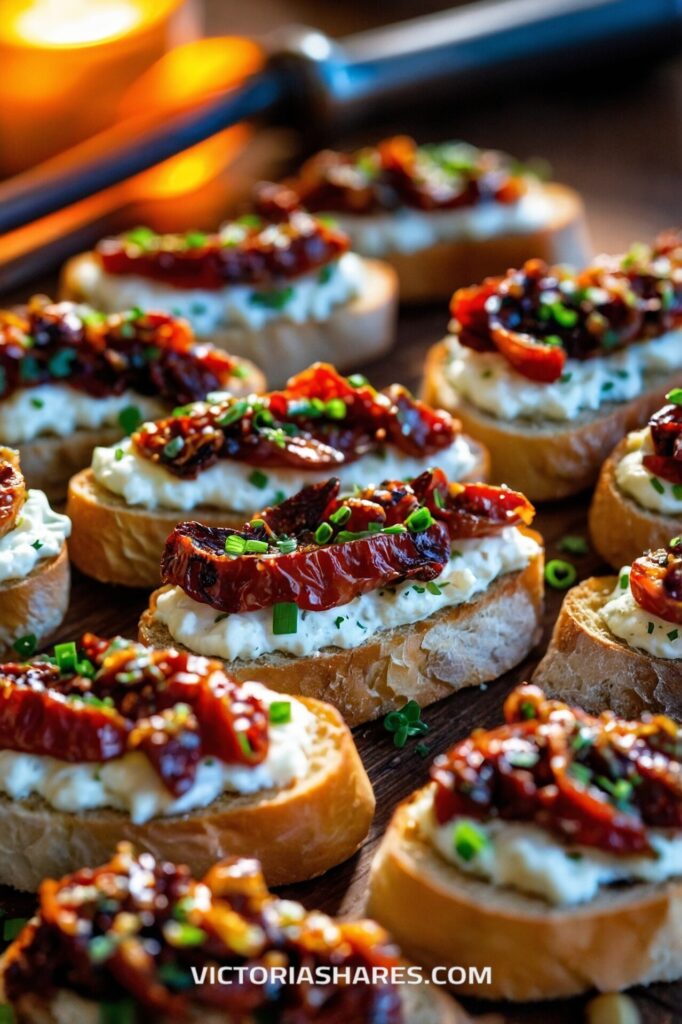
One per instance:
(73, 67)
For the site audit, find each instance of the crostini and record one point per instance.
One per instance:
(72, 378)
(442, 215)
(548, 849)
(218, 463)
(140, 939)
(34, 565)
(402, 591)
(111, 740)
(551, 368)
(618, 640)
(640, 489)
(281, 289)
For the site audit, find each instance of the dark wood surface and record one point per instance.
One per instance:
(618, 140)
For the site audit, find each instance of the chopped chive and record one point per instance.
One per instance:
(67, 657)
(675, 396)
(433, 588)
(173, 447)
(419, 520)
(256, 547)
(581, 773)
(235, 545)
(438, 499)
(118, 454)
(37, 403)
(398, 528)
(284, 618)
(336, 409)
(650, 628)
(338, 620)
(559, 574)
(25, 645)
(181, 933)
(357, 380)
(341, 516)
(574, 545)
(37, 544)
(272, 300)
(280, 712)
(287, 545)
(325, 273)
(623, 580)
(673, 634)
(258, 479)
(129, 419)
(323, 533)
(257, 524)
(468, 840)
(677, 491)
(61, 363)
(195, 239)
(244, 743)
(234, 413)
(657, 485)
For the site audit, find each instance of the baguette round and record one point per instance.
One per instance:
(630, 935)
(586, 664)
(639, 529)
(433, 274)
(355, 333)
(118, 543)
(297, 832)
(35, 604)
(421, 1005)
(461, 646)
(546, 461)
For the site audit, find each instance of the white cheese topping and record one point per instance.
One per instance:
(307, 297)
(407, 230)
(39, 534)
(230, 484)
(639, 628)
(131, 784)
(60, 410)
(472, 568)
(530, 859)
(490, 383)
(634, 479)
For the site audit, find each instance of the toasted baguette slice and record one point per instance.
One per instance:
(639, 529)
(586, 664)
(546, 461)
(630, 935)
(354, 334)
(424, 661)
(433, 274)
(421, 1005)
(297, 832)
(119, 543)
(35, 604)
(48, 463)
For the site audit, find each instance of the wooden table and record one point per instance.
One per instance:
(619, 142)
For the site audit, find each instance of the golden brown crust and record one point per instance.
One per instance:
(35, 604)
(355, 333)
(626, 936)
(546, 461)
(433, 274)
(586, 664)
(424, 661)
(119, 543)
(297, 833)
(638, 528)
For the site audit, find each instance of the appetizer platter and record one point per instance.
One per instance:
(310, 580)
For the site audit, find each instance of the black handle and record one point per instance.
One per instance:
(482, 44)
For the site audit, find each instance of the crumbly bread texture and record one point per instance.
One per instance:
(620, 528)
(48, 463)
(629, 935)
(421, 1005)
(355, 333)
(586, 664)
(35, 604)
(118, 543)
(424, 661)
(431, 275)
(297, 832)
(546, 461)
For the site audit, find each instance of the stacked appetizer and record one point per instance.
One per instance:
(550, 368)
(218, 462)
(549, 849)
(618, 640)
(402, 591)
(34, 566)
(640, 489)
(278, 287)
(110, 740)
(444, 214)
(139, 939)
(72, 378)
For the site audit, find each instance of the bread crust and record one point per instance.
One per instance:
(118, 543)
(357, 332)
(297, 832)
(35, 604)
(546, 461)
(626, 936)
(586, 664)
(639, 529)
(424, 661)
(433, 274)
